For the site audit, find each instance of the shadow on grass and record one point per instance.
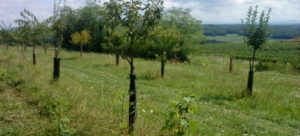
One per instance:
(223, 97)
(71, 58)
(100, 65)
(217, 98)
(109, 65)
(149, 75)
(146, 77)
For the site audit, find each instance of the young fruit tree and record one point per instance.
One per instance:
(17, 38)
(113, 22)
(139, 18)
(81, 39)
(189, 28)
(256, 35)
(44, 33)
(58, 24)
(5, 34)
(164, 43)
(29, 26)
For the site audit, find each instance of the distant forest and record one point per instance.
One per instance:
(276, 31)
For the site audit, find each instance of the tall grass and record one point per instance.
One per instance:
(87, 99)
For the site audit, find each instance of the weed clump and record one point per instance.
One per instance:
(179, 121)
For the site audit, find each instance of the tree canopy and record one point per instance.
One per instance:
(81, 38)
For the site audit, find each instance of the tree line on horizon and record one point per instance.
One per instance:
(276, 31)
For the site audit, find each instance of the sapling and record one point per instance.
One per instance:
(5, 33)
(45, 31)
(58, 27)
(29, 26)
(139, 19)
(113, 21)
(256, 35)
(81, 39)
(164, 43)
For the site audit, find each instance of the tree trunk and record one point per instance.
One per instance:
(117, 59)
(80, 50)
(251, 76)
(56, 68)
(131, 66)
(230, 65)
(33, 55)
(162, 69)
(132, 99)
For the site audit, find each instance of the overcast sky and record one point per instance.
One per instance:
(209, 11)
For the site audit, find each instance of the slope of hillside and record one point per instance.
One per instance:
(88, 98)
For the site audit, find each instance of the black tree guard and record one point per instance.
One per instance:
(33, 55)
(162, 69)
(132, 103)
(117, 59)
(56, 68)
(33, 58)
(250, 83)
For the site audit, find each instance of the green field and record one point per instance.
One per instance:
(279, 52)
(235, 38)
(87, 99)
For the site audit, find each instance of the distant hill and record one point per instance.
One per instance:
(277, 31)
(235, 38)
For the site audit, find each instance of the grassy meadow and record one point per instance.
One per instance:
(88, 98)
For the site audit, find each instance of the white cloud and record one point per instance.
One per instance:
(75, 3)
(210, 11)
(10, 9)
(232, 11)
